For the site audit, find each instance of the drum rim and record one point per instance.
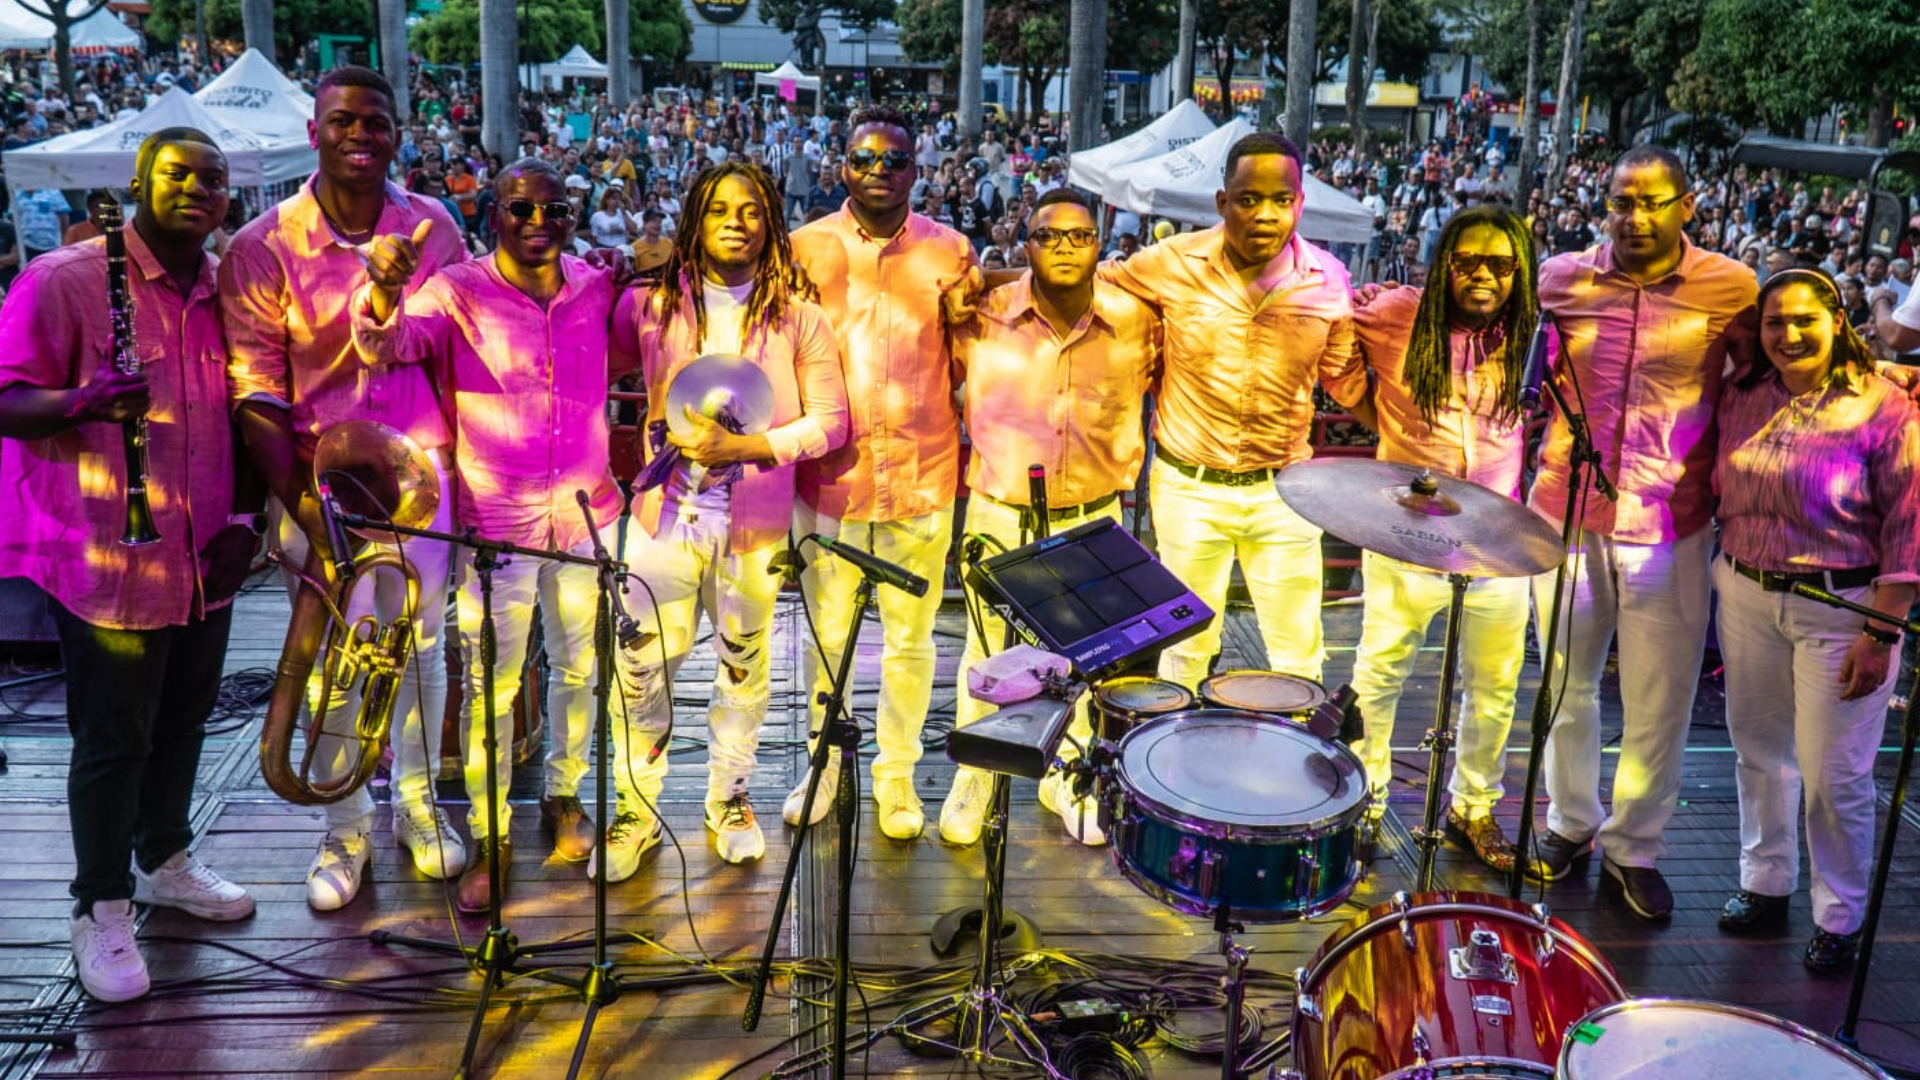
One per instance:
(1308, 707)
(1314, 829)
(1348, 937)
(1613, 1008)
(1535, 1068)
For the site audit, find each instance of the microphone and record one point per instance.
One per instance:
(874, 567)
(336, 533)
(1539, 365)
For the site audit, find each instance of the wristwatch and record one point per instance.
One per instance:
(256, 522)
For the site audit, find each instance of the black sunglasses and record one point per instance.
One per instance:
(895, 160)
(522, 210)
(1467, 265)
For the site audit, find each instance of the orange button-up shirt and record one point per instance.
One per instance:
(63, 499)
(1648, 361)
(1236, 386)
(1070, 403)
(902, 455)
(1463, 438)
(285, 288)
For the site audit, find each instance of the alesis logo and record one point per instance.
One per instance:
(1426, 537)
(1019, 624)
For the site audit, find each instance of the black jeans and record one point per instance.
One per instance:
(137, 705)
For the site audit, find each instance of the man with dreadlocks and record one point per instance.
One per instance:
(705, 539)
(1442, 383)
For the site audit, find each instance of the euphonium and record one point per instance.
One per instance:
(375, 472)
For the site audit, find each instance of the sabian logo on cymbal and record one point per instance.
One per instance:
(1431, 538)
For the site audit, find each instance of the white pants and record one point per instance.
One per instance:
(688, 569)
(1002, 522)
(1400, 601)
(565, 594)
(1787, 721)
(1655, 597)
(1202, 528)
(420, 707)
(918, 545)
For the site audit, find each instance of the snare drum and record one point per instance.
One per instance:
(1268, 692)
(1677, 1039)
(1120, 705)
(1215, 807)
(1465, 986)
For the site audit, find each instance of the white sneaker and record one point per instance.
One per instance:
(901, 816)
(334, 878)
(631, 836)
(1080, 816)
(822, 799)
(965, 810)
(186, 883)
(105, 954)
(426, 833)
(736, 835)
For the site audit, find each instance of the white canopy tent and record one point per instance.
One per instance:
(575, 63)
(253, 96)
(784, 75)
(100, 32)
(1178, 126)
(104, 156)
(1181, 185)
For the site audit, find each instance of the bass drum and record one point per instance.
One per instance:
(1461, 986)
(1679, 1039)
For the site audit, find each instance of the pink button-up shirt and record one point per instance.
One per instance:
(809, 409)
(286, 286)
(1236, 389)
(1463, 438)
(882, 297)
(1648, 361)
(1829, 480)
(64, 497)
(525, 391)
(1070, 403)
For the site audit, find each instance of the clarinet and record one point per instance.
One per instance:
(126, 361)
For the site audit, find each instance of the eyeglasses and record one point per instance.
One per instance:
(1074, 237)
(1621, 204)
(522, 210)
(1468, 265)
(863, 159)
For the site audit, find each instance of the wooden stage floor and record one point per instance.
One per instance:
(292, 993)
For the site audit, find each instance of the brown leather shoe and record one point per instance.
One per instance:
(472, 894)
(572, 829)
(1485, 836)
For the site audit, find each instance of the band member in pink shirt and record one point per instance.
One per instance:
(143, 629)
(881, 270)
(713, 507)
(285, 289)
(1646, 322)
(1444, 367)
(518, 344)
(1819, 482)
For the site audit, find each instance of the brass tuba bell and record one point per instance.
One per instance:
(378, 473)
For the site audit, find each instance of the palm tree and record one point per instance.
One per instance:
(1086, 71)
(1300, 70)
(393, 50)
(619, 58)
(499, 98)
(256, 23)
(973, 25)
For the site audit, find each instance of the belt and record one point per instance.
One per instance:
(1061, 513)
(1830, 580)
(1215, 476)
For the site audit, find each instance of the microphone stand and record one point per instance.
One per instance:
(500, 951)
(1581, 454)
(839, 731)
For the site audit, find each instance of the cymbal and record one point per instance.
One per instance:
(721, 381)
(1431, 520)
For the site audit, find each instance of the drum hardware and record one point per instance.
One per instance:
(499, 953)
(1482, 958)
(1236, 986)
(1440, 523)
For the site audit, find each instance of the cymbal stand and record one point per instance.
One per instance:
(1440, 739)
(1540, 725)
(1236, 987)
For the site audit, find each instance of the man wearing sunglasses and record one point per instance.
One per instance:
(294, 372)
(1442, 384)
(1054, 369)
(1647, 323)
(517, 343)
(881, 270)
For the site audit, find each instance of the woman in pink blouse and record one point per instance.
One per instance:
(1816, 480)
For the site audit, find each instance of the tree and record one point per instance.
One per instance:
(293, 23)
(500, 49)
(1569, 82)
(801, 18)
(619, 47)
(1301, 41)
(256, 16)
(656, 28)
(1523, 178)
(392, 18)
(63, 14)
(1087, 72)
(1139, 33)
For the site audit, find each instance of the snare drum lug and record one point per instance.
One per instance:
(1543, 952)
(1306, 880)
(1403, 903)
(1305, 1005)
